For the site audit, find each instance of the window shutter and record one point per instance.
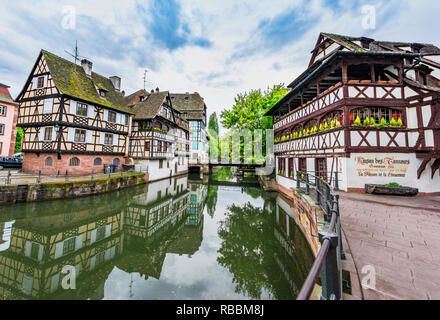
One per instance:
(54, 282)
(92, 263)
(27, 284)
(34, 83)
(40, 252)
(78, 242)
(59, 249)
(105, 115)
(93, 237)
(48, 106)
(115, 140)
(27, 251)
(90, 111)
(71, 135)
(41, 134)
(45, 81)
(54, 134)
(108, 230)
(102, 137)
(73, 104)
(89, 136)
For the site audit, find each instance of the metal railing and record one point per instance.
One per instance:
(328, 260)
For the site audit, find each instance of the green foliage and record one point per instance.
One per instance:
(321, 127)
(358, 121)
(366, 121)
(213, 123)
(393, 122)
(372, 122)
(326, 125)
(18, 140)
(332, 124)
(383, 122)
(399, 122)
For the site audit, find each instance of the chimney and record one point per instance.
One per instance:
(116, 82)
(87, 66)
(123, 93)
(365, 42)
(152, 91)
(157, 89)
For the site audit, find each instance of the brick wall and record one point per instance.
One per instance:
(32, 163)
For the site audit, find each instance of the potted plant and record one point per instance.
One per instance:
(366, 122)
(399, 123)
(332, 124)
(383, 122)
(357, 121)
(321, 127)
(372, 122)
(393, 122)
(326, 126)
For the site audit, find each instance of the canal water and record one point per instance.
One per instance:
(182, 238)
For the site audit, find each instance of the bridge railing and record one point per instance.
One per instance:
(328, 260)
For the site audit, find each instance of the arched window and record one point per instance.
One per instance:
(97, 162)
(310, 127)
(49, 162)
(74, 162)
(333, 119)
(376, 116)
(116, 162)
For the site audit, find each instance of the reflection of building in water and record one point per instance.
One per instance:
(296, 257)
(133, 231)
(198, 195)
(86, 237)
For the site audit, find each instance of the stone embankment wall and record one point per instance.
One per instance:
(66, 190)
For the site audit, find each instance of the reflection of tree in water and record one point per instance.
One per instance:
(245, 250)
(253, 192)
(211, 200)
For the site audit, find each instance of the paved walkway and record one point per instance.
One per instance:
(400, 238)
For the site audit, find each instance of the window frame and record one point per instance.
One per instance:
(107, 139)
(46, 131)
(5, 110)
(111, 116)
(80, 133)
(80, 107)
(40, 82)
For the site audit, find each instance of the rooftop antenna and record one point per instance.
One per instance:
(145, 79)
(76, 55)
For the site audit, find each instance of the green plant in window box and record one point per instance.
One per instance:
(366, 122)
(393, 122)
(326, 125)
(357, 122)
(399, 123)
(321, 127)
(372, 122)
(291, 174)
(383, 122)
(332, 123)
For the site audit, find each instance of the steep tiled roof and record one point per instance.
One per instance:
(188, 101)
(71, 80)
(149, 108)
(5, 96)
(134, 98)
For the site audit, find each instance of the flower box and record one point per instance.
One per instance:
(391, 190)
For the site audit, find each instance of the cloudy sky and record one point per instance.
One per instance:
(216, 48)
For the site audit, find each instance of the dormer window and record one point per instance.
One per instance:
(186, 98)
(141, 98)
(102, 93)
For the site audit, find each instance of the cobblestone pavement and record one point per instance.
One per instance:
(400, 238)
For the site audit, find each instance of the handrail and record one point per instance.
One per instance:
(328, 259)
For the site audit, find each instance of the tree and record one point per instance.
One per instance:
(213, 134)
(247, 113)
(18, 139)
(213, 123)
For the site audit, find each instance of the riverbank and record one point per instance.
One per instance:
(78, 187)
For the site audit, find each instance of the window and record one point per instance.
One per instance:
(2, 129)
(2, 110)
(127, 118)
(142, 221)
(185, 115)
(332, 120)
(74, 162)
(112, 116)
(116, 162)
(147, 146)
(48, 162)
(282, 166)
(80, 135)
(195, 146)
(100, 233)
(302, 164)
(102, 93)
(81, 109)
(365, 116)
(108, 139)
(321, 168)
(291, 172)
(35, 249)
(97, 162)
(193, 198)
(68, 246)
(48, 134)
(160, 164)
(40, 82)
(196, 134)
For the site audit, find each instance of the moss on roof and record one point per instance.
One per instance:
(149, 108)
(71, 80)
(345, 40)
(187, 101)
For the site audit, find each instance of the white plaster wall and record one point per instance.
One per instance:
(425, 184)
(152, 166)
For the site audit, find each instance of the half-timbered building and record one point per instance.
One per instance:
(75, 121)
(159, 141)
(194, 109)
(366, 109)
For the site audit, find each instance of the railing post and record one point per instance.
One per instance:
(327, 203)
(8, 181)
(307, 184)
(336, 181)
(331, 284)
(298, 182)
(318, 191)
(338, 225)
